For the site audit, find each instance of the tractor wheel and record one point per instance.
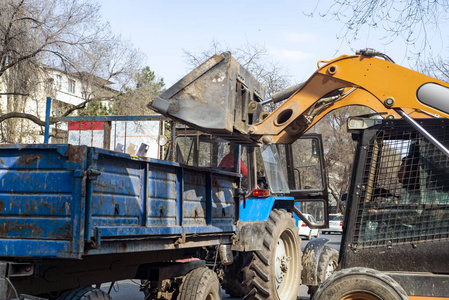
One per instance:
(326, 266)
(200, 284)
(233, 275)
(274, 272)
(86, 293)
(360, 284)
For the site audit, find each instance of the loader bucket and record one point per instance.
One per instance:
(219, 97)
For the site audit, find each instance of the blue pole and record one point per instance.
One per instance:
(47, 121)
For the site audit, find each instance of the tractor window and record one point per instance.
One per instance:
(194, 152)
(184, 150)
(226, 155)
(273, 157)
(315, 209)
(197, 149)
(306, 165)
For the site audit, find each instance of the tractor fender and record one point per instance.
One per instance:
(310, 260)
(258, 209)
(254, 213)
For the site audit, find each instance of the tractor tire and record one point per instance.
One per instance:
(200, 284)
(233, 275)
(326, 266)
(361, 284)
(86, 293)
(274, 272)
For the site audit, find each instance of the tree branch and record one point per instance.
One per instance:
(15, 94)
(30, 117)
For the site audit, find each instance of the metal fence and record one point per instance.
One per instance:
(136, 135)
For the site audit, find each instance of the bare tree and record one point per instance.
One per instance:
(69, 35)
(436, 67)
(254, 58)
(144, 88)
(338, 148)
(415, 22)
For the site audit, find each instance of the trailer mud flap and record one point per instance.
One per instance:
(250, 236)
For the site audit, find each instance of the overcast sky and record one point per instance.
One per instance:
(162, 29)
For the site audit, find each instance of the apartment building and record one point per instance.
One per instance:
(66, 91)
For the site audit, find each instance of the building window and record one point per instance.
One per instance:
(71, 86)
(58, 80)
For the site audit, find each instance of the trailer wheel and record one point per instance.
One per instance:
(233, 275)
(326, 266)
(275, 271)
(361, 284)
(202, 284)
(86, 293)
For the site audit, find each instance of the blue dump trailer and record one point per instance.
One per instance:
(73, 216)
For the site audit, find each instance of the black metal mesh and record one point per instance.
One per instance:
(404, 192)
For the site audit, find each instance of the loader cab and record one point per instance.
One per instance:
(397, 218)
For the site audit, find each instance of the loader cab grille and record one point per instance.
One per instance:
(402, 189)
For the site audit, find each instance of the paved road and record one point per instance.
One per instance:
(128, 290)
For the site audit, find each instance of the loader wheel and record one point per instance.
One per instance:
(360, 284)
(274, 272)
(200, 284)
(233, 275)
(326, 266)
(86, 293)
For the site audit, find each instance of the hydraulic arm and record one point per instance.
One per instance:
(220, 97)
(361, 79)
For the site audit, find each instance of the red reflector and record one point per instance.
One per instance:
(303, 225)
(261, 193)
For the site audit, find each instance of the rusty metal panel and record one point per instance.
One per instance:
(223, 206)
(38, 198)
(117, 192)
(162, 198)
(194, 199)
